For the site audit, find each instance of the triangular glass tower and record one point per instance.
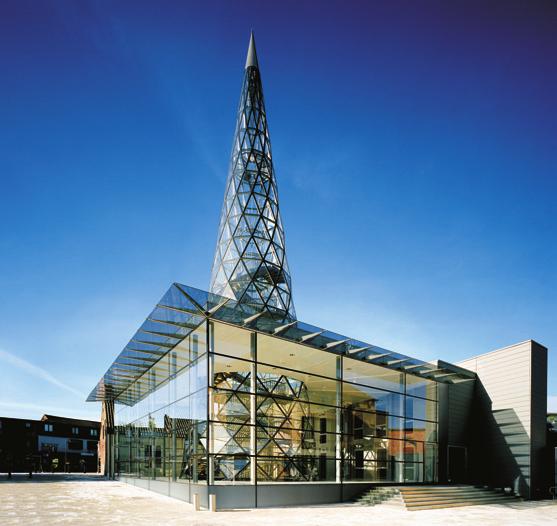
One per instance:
(250, 262)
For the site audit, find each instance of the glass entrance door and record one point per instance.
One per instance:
(430, 463)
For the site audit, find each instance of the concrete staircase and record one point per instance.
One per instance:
(435, 497)
(380, 495)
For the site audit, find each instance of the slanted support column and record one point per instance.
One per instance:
(106, 440)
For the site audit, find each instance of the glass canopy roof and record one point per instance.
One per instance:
(182, 309)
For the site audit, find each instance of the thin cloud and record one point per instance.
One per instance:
(36, 371)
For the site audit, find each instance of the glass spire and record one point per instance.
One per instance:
(250, 262)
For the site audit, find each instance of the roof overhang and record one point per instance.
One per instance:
(183, 309)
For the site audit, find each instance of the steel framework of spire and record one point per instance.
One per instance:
(250, 262)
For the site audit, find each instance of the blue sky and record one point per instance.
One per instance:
(414, 144)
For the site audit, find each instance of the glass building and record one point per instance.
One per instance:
(226, 392)
(211, 392)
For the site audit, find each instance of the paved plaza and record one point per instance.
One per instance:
(91, 500)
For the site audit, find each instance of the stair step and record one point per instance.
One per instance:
(446, 501)
(472, 490)
(437, 496)
(448, 495)
(434, 487)
(443, 489)
(441, 495)
(433, 497)
(418, 502)
(379, 495)
(454, 504)
(465, 502)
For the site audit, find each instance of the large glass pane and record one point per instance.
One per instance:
(229, 406)
(296, 469)
(189, 349)
(373, 471)
(187, 371)
(230, 439)
(272, 441)
(198, 406)
(162, 392)
(430, 465)
(370, 448)
(123, 450)
(413, 451)
(295, 385)
(190, 437)
(292, 355)
(422, 387)
(198, 374)
(197, 342)
(283, 412)
(232, 374)
(179, 386)
(372, 375)
(197, 469)
(363, 398)
(420, 409)
(421, 430)
(379, 425)
(413, 472)
(232, 341)
(144, 456)
(181, 424)
(229, 469)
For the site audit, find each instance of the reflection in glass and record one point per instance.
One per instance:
(231, 374)
(421, 387)
(231, 468)
(295, 385)
(228, 439)
(272, 441)
(372, 375)
(229, 406)
(430, 465)
(379, 424)
(296, 469)
(361, 398)
(363, 470)
(286, 418)
(294, 356)
(417, 408)
(280, 412)
(420, 430)
(413, 472)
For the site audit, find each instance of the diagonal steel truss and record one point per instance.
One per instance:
(250, 262)
(279, 446)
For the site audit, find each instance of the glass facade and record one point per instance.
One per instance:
(164, 435)
(232, 406)
(250, 263)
